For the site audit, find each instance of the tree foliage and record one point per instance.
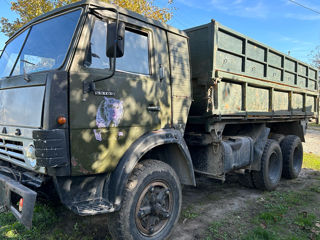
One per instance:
(29, 9)
(315, 57)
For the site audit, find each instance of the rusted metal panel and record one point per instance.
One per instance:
(280, 101)
(229, 97)
(258, 99)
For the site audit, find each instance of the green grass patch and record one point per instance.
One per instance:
(314, 125)
(271, 216)
(216, 231)
(49, 223)
(315, 188)
(44, 218)
(189, 213)
(215, 228)
(311, 161)
(283, 215)
(305, 220)
(260, 233)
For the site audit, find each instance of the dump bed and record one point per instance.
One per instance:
(236, 77)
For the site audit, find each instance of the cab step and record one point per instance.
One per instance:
(92, 207)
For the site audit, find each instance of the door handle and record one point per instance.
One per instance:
(153, 108)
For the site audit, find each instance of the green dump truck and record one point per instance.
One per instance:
(115, 111)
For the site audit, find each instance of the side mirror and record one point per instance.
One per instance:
(111, 39)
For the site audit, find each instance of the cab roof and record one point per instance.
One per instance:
(95, 3)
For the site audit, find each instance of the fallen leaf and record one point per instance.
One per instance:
(263, 225)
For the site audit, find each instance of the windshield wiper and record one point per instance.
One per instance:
(33, 64)
(25, 75)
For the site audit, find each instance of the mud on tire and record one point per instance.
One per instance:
(292, 153)
(269, 176)
(151, 203)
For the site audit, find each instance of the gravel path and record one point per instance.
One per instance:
(312, 144)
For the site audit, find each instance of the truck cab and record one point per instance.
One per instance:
(80, 118)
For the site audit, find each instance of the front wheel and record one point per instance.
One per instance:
(151, 203)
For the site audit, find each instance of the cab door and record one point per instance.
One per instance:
(124, 107)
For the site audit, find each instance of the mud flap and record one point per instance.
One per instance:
(10, 191)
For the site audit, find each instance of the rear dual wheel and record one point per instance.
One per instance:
(284, 159)
(269, 176)
(292, 152)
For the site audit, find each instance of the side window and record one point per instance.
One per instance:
(136, 53)
(96, 53)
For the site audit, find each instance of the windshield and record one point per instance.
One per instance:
(10, 54)
(45, 47)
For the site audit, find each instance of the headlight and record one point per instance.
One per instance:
(31, 155)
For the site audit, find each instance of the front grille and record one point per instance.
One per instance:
(11, 150)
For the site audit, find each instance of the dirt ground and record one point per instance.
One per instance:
(312, 141)
(211, 200)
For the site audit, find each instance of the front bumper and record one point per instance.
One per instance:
(11, 191)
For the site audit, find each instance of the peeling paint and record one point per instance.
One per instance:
(74, 162)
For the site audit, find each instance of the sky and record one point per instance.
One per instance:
(280, 24)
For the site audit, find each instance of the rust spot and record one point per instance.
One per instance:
(263, 80)
(83, 170)
(74, 162)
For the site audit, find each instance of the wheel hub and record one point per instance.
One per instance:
(154, 208)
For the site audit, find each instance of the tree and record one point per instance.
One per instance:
(29, 9)
(315, 57)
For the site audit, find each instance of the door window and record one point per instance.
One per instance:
(136, 54)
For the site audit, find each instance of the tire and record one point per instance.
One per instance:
(246, 179)
(292, 153)
(269, 176)
(152, 196)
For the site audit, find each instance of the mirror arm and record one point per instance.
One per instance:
(90, 86)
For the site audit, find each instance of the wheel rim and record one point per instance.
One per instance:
(154, 208)
(297, 159)
(274, 167)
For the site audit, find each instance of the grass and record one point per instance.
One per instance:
(311, 161)
(305, 220)
(44, 218)
(214, 230)
(279, 215)
(52, 223)
(261, 233)
(189, 213)
(314, 125)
